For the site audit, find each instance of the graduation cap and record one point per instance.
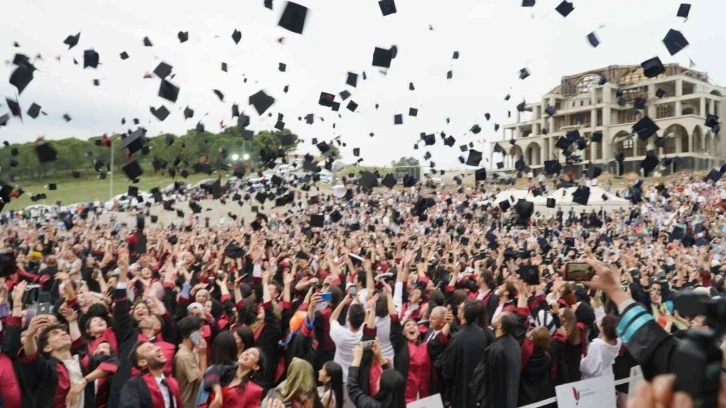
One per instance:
(675, 41)
(474, 158)
(520, 107)
(712, 121)
(133, 191)
(282, 67)
(147, 42)
(261, 101)
(132, 170)
(412, 112)
(581, 195)
(683, 10)
(180, 213)
(236, 36)
(67, 117)
(168, 91)
(714, 175)
(160, 113)
(523, 73)
(475, 129)
(22, 76)
(124, 55)
(72, 40)
(382, 57)
(183, 36)
(550, 110)
(592, 38)
(398, 119)
(563, 143)
(293, 17)
(652, 67)
(480, 175)
(90, 59)
(450, 141)
(552, 167)
(46, 153)
(352, 79)
(645, 128)
(163, 70)
(504, 205)
(660, 93)
(660, 142)
(388, 7)
(596, 136)
(352, 106)
(565, 8)
(389, 181)
(368, 179)
(551, 203)
(449, 74)
(649, 163)
(34, 110)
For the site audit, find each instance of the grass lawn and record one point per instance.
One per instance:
(70, 190)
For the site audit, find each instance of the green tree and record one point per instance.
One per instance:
(335, 152)
(405, 162)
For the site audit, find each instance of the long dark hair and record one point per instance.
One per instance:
(391, 393)
(256, 376)
(224, 349)
(335, 372)
(247, 336)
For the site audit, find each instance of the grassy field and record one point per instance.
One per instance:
(70, 190)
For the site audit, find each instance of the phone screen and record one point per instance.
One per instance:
(327, 296)
(578, 272)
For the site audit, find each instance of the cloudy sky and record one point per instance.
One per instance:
(495, 39)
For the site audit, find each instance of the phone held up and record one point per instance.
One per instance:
(578, 272)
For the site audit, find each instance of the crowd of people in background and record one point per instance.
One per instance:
(377, 299)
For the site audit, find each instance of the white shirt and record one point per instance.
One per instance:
(76, 376)
(599, 360)
(345, 340)
(164, 391)
(383, 332)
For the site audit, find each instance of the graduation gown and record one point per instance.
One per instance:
(462, 355)
(503, 361)
(143, 392)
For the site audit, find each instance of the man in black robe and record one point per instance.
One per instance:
(503, 361)
(464, 353)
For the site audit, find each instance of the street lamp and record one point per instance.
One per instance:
(235, 157)
(245, 156)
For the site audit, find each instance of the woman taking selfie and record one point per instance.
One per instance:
(391, 386)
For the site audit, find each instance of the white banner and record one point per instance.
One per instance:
(433, 401)
(593, 393)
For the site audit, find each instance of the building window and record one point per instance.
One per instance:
(664, 111)
(586, 83)
(688, 111)
(581, 103)
(598, 150)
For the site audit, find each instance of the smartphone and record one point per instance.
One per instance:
(353, 290)
(327, 296)
(669, 306)
(43, 308)
(367, 345)
(578, 272)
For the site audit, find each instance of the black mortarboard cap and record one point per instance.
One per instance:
(563, 143)
(474, 158)
(645, 128)
(714, 175)
(132, 170)
(352, 106)
(711, 121)
(45, 152)
(652, 67)
(520, 107)
(480, 175)
(389, 180)
(161, 113)
(412, 112)
(550, 110)
(133, 191)
(183, 36)
(581, 195)
(124, 55)
(504, 205)
(660, 142)
(90, 59)
(72, 40)
(219, 94)
(368, 179)
(34, 110)
(660, 93)
(523, 73)
(352, 79)
(382, 57)
(236, 36)
(565, 8)
(21, 77)
(261, 101)
(675, 41)
(552, 167)
(134, 142)
(596, 136)
(388, 7)
(168, 91)
(528, 3)
(282, 67)
(683, 10)
(475, 129)
(163, 70)
(592, 38)
(188, 113)
(147, 42)
(430, 139)
(398, 119)
(293, 17)
(649, 163)
(450, 141)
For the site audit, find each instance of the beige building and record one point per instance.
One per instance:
(583, 104)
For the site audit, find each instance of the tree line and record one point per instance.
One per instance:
(76, 155)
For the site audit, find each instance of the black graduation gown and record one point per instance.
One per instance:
(464, 352)
(503, 365)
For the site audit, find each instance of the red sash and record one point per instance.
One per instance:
(157, 398)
